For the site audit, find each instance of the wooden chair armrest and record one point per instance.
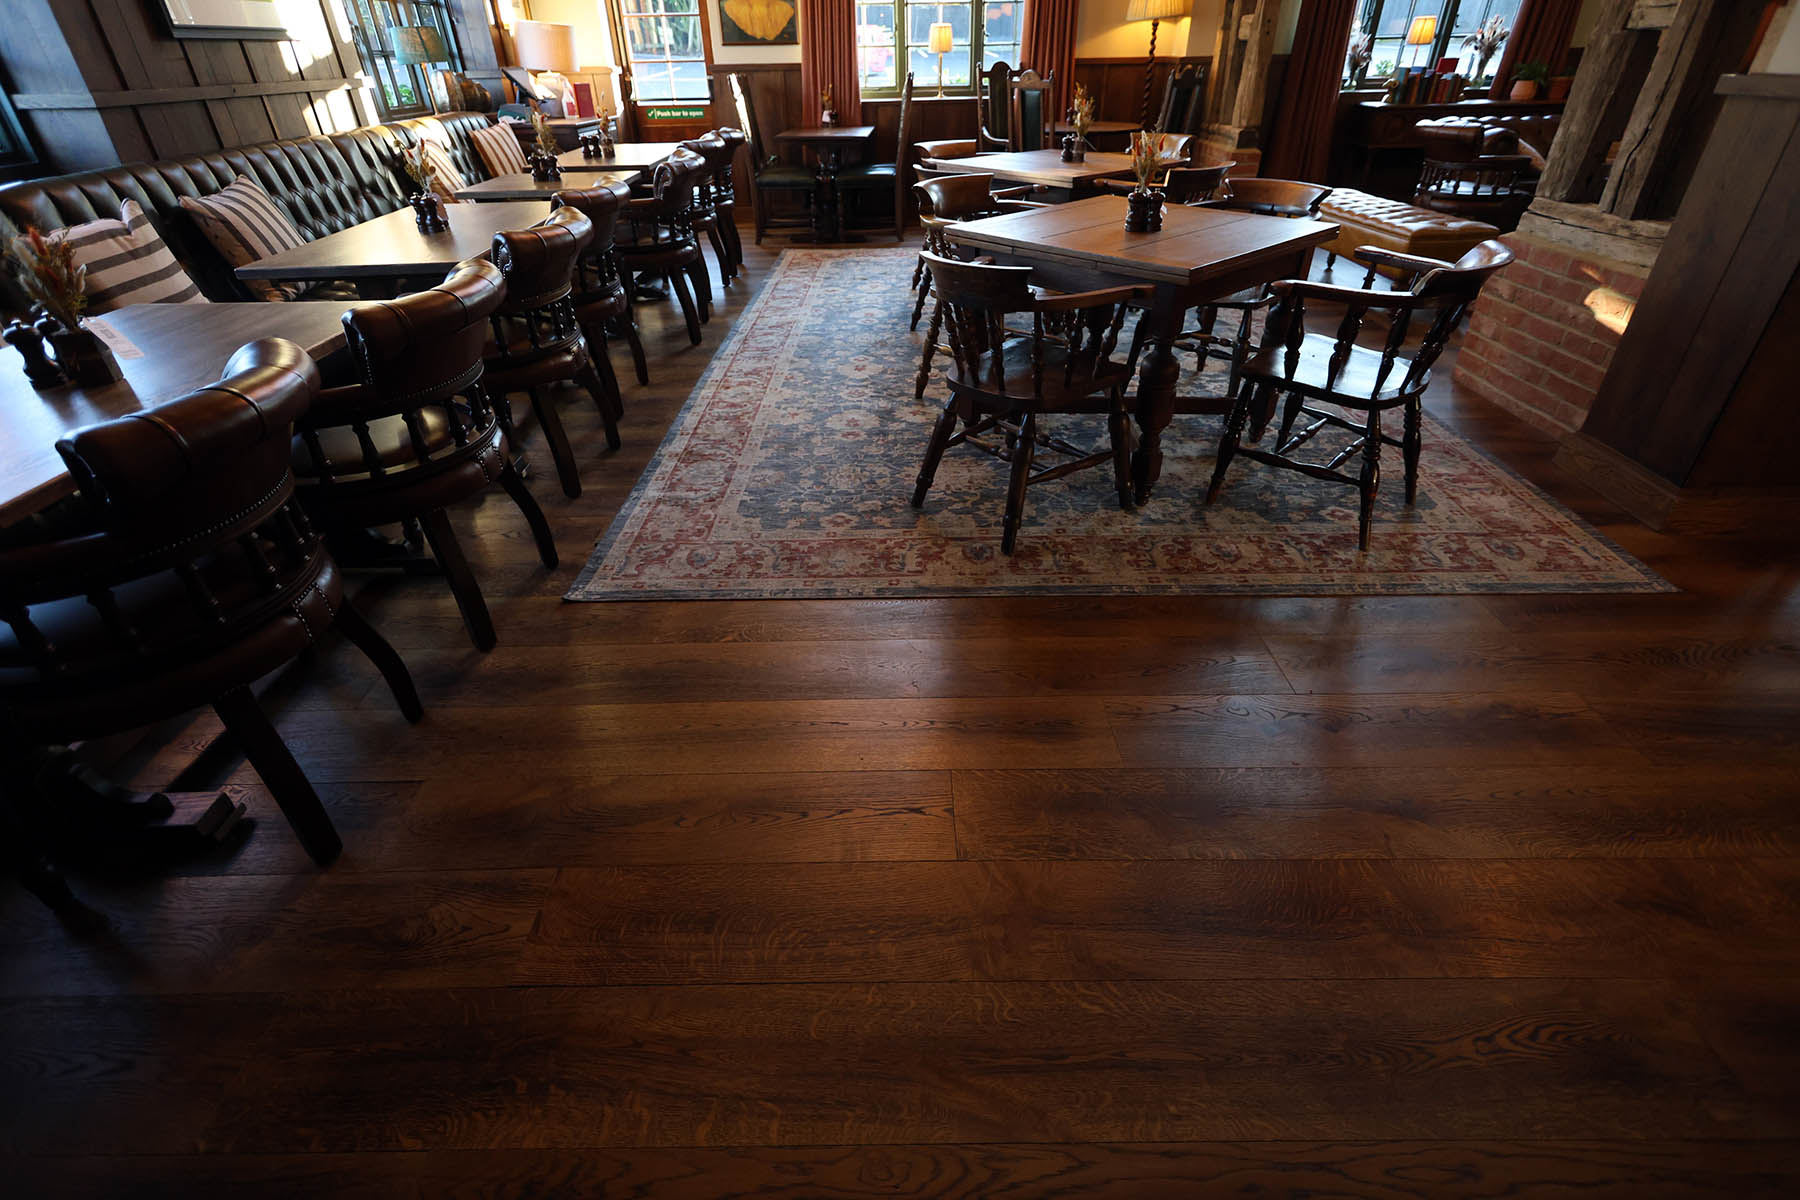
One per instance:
(1013, 193)
(1094, 299)
(1377, 256)
(1307, 289)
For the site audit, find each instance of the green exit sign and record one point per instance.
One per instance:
(675, 114)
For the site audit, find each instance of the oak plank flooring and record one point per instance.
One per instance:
(1032, 896)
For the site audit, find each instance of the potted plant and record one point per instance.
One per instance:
(1528, 79)
(1362, 50)
(1559, 88)
(1143, 213)
(1081, 119)
(1486, 42)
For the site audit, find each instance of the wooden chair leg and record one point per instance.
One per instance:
(1228, 441)
(287, 783)
(1015, 486)
(1369, 482)
(702, 279)
(590, 379)
(720, 254)
(639, 363)
(917, 279)
(1118, 426)
(597, 350)
(1290, 413)
(1410, 446)
(387, 660)
(557, 438)
(678, 282)
(931, 341)
(919, 302)
(934, 452)
(469, 601)
(514, 483)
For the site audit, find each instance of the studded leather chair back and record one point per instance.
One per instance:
(539, 262)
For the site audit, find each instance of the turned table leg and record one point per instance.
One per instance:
(1157, 374)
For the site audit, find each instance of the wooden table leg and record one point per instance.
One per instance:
(1157, 374)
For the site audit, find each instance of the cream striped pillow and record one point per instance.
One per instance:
(446, 180)
(127, 262)
(499, 148)
(244, 224)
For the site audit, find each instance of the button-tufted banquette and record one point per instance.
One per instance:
(323, 184)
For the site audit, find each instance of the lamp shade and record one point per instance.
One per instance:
(1156, 10)
(1423, 31)
(416, 45)
(545, 46)
(941, 39)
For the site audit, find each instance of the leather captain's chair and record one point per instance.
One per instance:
(183, 571)
(1476, 170)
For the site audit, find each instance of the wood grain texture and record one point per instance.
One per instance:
(1429, 896)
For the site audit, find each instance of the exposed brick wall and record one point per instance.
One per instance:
(1536, 344)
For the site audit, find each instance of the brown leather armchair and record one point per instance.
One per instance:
(1474, 169)
(184, 571)
(662, 240)
(417, 432)
(537, 340)
(600, 296)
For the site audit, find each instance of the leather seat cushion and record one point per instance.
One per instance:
(111, 697)
(1366, 220)
(781, 176)
(873, 175)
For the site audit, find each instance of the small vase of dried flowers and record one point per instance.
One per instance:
(1081, 119)
(427, 205)
(1144, 212)
(48, 271)
(543, 159)
(827, 110)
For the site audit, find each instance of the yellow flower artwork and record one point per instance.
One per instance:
(757, 23)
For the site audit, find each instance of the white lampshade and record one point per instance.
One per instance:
(1156, 10)
(941, 38)
(545, 46)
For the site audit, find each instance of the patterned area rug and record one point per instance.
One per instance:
(789, 471)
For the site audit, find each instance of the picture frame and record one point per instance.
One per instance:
(240, 19)
(758, 23)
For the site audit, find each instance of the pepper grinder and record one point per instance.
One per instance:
(30, 343)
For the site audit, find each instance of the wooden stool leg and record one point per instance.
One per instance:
(557, 438)
(287, 783)
(448, 552)
(934, 452)
(387, 660)
(514, 483)
(1410, 446)
(1015, 485)
(1369, 482)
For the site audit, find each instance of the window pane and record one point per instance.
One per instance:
(921, 17)
(924, 66)
(1002, 23)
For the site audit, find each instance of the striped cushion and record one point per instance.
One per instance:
(446, 180)
(499, 148)
(127, 263)
(244, 224)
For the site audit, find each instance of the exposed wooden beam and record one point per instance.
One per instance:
(39, 101)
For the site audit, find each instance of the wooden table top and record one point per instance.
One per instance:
(1041, 166)
(392, 246)
(524, 187)
(185, 347)
(627, 156)
(1193, 244)
(827, 133)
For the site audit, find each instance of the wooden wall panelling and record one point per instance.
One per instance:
(1117, 84)
(1723, 272)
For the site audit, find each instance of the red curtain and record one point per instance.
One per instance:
(1049, 45)
(1300, 142)
(828, 56)
(1541, 34)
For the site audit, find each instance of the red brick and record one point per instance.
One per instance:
(1553, 261)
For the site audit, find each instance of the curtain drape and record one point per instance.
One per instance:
(1540, 34)
(1049, 45)
(1300, 142)
(828, 56)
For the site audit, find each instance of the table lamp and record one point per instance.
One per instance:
(548, 48)
(419, 46)
(1422, 31)
(1153, 11)
(940, 44)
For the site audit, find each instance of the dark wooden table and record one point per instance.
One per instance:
(627, 156)
(1199, 254)
(185, 347)
(377, 254)
(524, 187)
(1045, 168)
(828, 143)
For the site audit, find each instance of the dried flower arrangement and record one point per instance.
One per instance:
(546, 137)
(1146, 155)
(418, 166)
(48, 272)
(1081, 112)
(1486, 41)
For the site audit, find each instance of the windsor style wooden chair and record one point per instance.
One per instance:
(1309, 369)
(1002, 380)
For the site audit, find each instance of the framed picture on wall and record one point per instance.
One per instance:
(758, 23)
(225, 18)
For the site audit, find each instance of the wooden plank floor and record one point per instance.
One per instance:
(1419, 896)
